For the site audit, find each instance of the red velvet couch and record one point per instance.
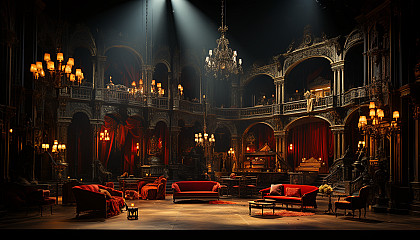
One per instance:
(303, 195)
(195, 189)
(94, 198)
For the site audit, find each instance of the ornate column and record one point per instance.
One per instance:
(236, 145)
(279, 83)
(283, 144)
(147, 72)
(99, 77)
(339, 143)
(174, 144)
(338, 85)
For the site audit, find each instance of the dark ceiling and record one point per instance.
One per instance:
(259, 29)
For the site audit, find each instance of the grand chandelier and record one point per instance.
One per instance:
(222, 61)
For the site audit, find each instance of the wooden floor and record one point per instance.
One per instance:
(197, 215)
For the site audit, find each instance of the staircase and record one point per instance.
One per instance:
(320, 179)
(169, 189)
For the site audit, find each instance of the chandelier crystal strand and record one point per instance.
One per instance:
(222, 61)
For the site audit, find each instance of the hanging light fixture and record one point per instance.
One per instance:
(59, 74)
(222, 61)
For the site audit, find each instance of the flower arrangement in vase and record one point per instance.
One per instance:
(326, 189)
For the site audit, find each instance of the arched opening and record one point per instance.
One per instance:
(310, 138)
(353, 68)
(160, 75)
(79, 147)
(123, 66)
(259, 149)
(190, 81)
(190, 155)
(125, 148)
(158, 149)
(314, 75)
(259, 91)
(83, 60)
(353, 134)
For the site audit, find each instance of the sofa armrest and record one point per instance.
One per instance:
(310, 197)
(175, 187)
(216, 187)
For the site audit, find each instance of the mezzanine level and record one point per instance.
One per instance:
(114, 96)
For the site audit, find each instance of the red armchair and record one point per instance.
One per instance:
(354, 202)
(98, 198)
(155, 190)
(16, 196)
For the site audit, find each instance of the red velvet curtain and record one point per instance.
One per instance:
(162, 134)
(124, 137)
(106, 146)
(311, 140)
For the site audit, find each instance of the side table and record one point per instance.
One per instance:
(262, 203)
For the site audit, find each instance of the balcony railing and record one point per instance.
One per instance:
(116, 96)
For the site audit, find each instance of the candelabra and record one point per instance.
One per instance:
(58, 75)
(380, 129)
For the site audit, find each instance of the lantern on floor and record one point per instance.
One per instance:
(132, 212)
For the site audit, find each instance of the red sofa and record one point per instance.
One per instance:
(303, 195)
(96, 197)
(195, 189)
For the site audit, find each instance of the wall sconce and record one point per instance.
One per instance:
(291, 147)
(104, 136)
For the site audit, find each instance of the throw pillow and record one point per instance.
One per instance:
(107, 194)
(293, 192)
(276, 190)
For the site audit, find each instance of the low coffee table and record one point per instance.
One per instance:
(262, 203)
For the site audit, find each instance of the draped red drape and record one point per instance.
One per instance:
(311, 140)
(123, 136)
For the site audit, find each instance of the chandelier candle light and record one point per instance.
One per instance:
(222, 61)
(56, 71)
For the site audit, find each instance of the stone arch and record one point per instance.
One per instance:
(78, 107)
(253, 124)
(228, 125)
(292, 123)
(353, 39)
(138, 56)
(297, 62)
(82, 37)
(159, 117)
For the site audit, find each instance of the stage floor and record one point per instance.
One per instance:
(197, 215)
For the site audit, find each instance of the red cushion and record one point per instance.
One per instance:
(285, 199)
(196, 185)
(276, 190)
(293, 192)
(196, 194)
